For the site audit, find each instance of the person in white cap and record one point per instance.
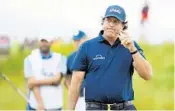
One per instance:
(43, 71)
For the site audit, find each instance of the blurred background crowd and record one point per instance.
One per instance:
(150, 24)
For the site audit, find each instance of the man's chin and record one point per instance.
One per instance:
(110, 35)
(45, 51)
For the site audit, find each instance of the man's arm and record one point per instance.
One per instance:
(142, 66)
(28, 75)
(79, 67)
(67, 81)
(34, 84)
(50, 81)
(38, 97)
(74, 90)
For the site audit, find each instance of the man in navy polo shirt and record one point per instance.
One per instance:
(78, 39)
(107, 62)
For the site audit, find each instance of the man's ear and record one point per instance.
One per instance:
(102, 21)
(125, 25)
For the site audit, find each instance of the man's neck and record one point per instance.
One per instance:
(111, 40)
(46, 54)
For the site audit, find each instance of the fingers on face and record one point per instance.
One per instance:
(126, 41)
(123, 34)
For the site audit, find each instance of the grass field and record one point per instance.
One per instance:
(156, 94)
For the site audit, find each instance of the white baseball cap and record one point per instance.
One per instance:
(48, 39)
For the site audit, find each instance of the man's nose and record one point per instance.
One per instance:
(111, 24)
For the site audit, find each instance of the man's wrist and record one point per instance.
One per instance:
(132, 53)
(40, 106)
(133, 49)
(53, 81)
(40, 102)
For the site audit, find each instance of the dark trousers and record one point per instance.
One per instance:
(29, 108)
(97, 106)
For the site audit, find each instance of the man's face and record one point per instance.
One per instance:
(44, 46)
(112, 27)
(79, 42)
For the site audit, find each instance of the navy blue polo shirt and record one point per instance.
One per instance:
(108, 70)
(70, 61)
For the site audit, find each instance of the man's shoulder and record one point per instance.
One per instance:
(92, 41)
(95, 39)
(72, 54)
(27, 58)
(137, 45)
(56, 54)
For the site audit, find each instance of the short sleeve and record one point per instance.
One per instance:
(139, 49)
(80, 62)
(27, 68)
(68, 64)
(62, 66)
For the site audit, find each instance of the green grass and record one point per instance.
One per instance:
(156, 94)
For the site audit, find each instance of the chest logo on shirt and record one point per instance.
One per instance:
(99, 57)
(47, 73)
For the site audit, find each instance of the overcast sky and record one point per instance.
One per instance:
(37, 18)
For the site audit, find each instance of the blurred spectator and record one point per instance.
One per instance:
(4, 45)
(30, 44)
(145, 12)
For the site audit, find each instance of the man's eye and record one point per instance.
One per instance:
(108, 20)
(116, 21)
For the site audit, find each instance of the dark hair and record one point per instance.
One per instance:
(101, 32)
(125, 23)
(43, 40)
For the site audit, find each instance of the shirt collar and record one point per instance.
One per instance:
(46, 57)
(102, 40)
